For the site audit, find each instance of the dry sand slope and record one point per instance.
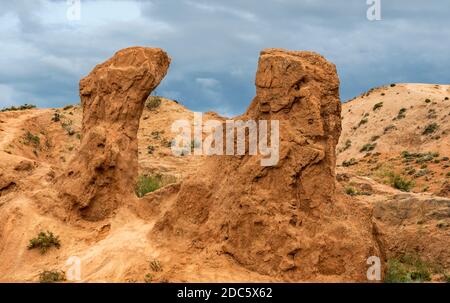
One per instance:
(262, 237)
(381, 124)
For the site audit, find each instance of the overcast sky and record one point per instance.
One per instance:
(215, 45)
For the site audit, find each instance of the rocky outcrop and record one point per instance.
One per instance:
(283, 220)
(102, 175)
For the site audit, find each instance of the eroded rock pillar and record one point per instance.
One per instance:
(103, 173)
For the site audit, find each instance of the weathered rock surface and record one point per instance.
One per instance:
(281, 220)
(102, 175)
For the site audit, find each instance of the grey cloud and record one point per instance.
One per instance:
(42, 62)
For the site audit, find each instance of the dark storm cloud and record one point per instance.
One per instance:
(215, 45)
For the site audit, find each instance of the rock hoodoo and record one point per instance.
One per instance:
(103, 173)
(282, 220)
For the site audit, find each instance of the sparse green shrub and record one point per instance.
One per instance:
(350, 162)
(377, 106)
(431, 114)
(351, 191)
(56, 117)
(430, 128)
(363, 121)
(393, 85)
(148, 278)
(156, 135)
(374, 138)
(401, 113)
(52, 276)
(420, 158)
(407, 269)
(44, 241)
(153, 102)
(22, 107)
(348, 144)
(166, 143)
(31, 139)
(150, 149)
(410, 170)
(67, 125)
(147, 184)
(400, 183)
(446, 98)
(389, 127)
(67, 107)
(155, 265)
(368, 147)
(427, 100)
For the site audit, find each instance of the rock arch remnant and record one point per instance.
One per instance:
(113, 96)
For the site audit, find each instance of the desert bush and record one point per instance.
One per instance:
(44, 241)
(351, 191)
(67, 125)
(147, 184)
(421, 173)
(31, 139)
(153, 102)
(430, 128)
(410, 170)
(400, 183)
(362, 122)
(427, 100)
(21, 107)
(67, 107)
(150, 149)
(148, 278)
(166, 143)
(406, 269)
(56, 117)
(52, 276)
(419, 158)
(156, 135)
(368, 147)
(446, 98)
(389, 127)
(401, 113)
(377, 106)
(350, 162)
(432, 114)
(347, 144)
(155, 265)
(374, 138)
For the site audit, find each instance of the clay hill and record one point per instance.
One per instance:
(368, 177)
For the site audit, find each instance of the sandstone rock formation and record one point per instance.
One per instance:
(103, 173)
(281, 220)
